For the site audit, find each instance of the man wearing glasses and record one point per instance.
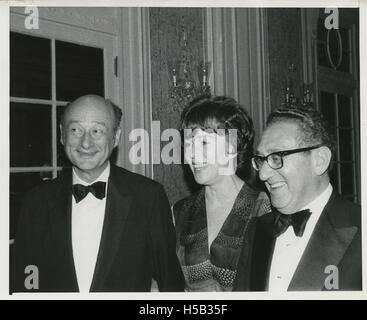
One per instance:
(312, 239)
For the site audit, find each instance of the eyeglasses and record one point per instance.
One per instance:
(275, 159)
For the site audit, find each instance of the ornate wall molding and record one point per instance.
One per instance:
(235, 40)
(135, 83)
(103, 19)
(309, 17)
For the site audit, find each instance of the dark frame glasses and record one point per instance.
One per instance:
(275, 159)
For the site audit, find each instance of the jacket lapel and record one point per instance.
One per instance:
(262, 253)
(118, 204)
(327, 246)
(59, 209)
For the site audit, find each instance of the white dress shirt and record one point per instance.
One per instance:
(87, 222)
(289, 248)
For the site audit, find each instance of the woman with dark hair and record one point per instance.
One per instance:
(218, 136)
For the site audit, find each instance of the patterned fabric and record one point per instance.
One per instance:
(214, 271)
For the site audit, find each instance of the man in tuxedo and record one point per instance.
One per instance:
(97, 227)
(312, 240)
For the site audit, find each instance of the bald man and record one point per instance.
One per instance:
(97, 227)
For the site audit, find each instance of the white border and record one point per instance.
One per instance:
(4, 162)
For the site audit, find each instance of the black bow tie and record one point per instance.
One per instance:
(297, 220)
(97, 189)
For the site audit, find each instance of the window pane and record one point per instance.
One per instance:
(321, 30)
(19, 184)
(346, 144)
(344, 111)
(321, 44)
(334, 46)
(344, 33)
(344, 65)
(62, 159)
(30, 135)
(322, 55)
(79, 71)
(347, 178)
(328, 107)
(30, 66)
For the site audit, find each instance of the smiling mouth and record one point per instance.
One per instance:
(86, 154)
(199, 166)
(275, 186)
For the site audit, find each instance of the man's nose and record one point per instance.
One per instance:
(265, 171)
(87, 140)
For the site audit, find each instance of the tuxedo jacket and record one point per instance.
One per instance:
(335, 241)
(137, 242)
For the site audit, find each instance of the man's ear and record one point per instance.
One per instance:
(117, 137)
(61, 134)
(322, 158)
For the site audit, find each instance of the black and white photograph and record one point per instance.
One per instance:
(184, 149)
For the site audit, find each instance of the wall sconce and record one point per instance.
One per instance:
(185, 84)
(290, 99)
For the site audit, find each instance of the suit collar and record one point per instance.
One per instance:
(262, 253)
(118, 202)
(59, 209)
(328, 243)
(102, 177)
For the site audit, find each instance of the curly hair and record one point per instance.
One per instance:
(313, 128)
(213, 113)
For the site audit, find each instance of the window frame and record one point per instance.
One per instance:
(57, 31)
(347, 84)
